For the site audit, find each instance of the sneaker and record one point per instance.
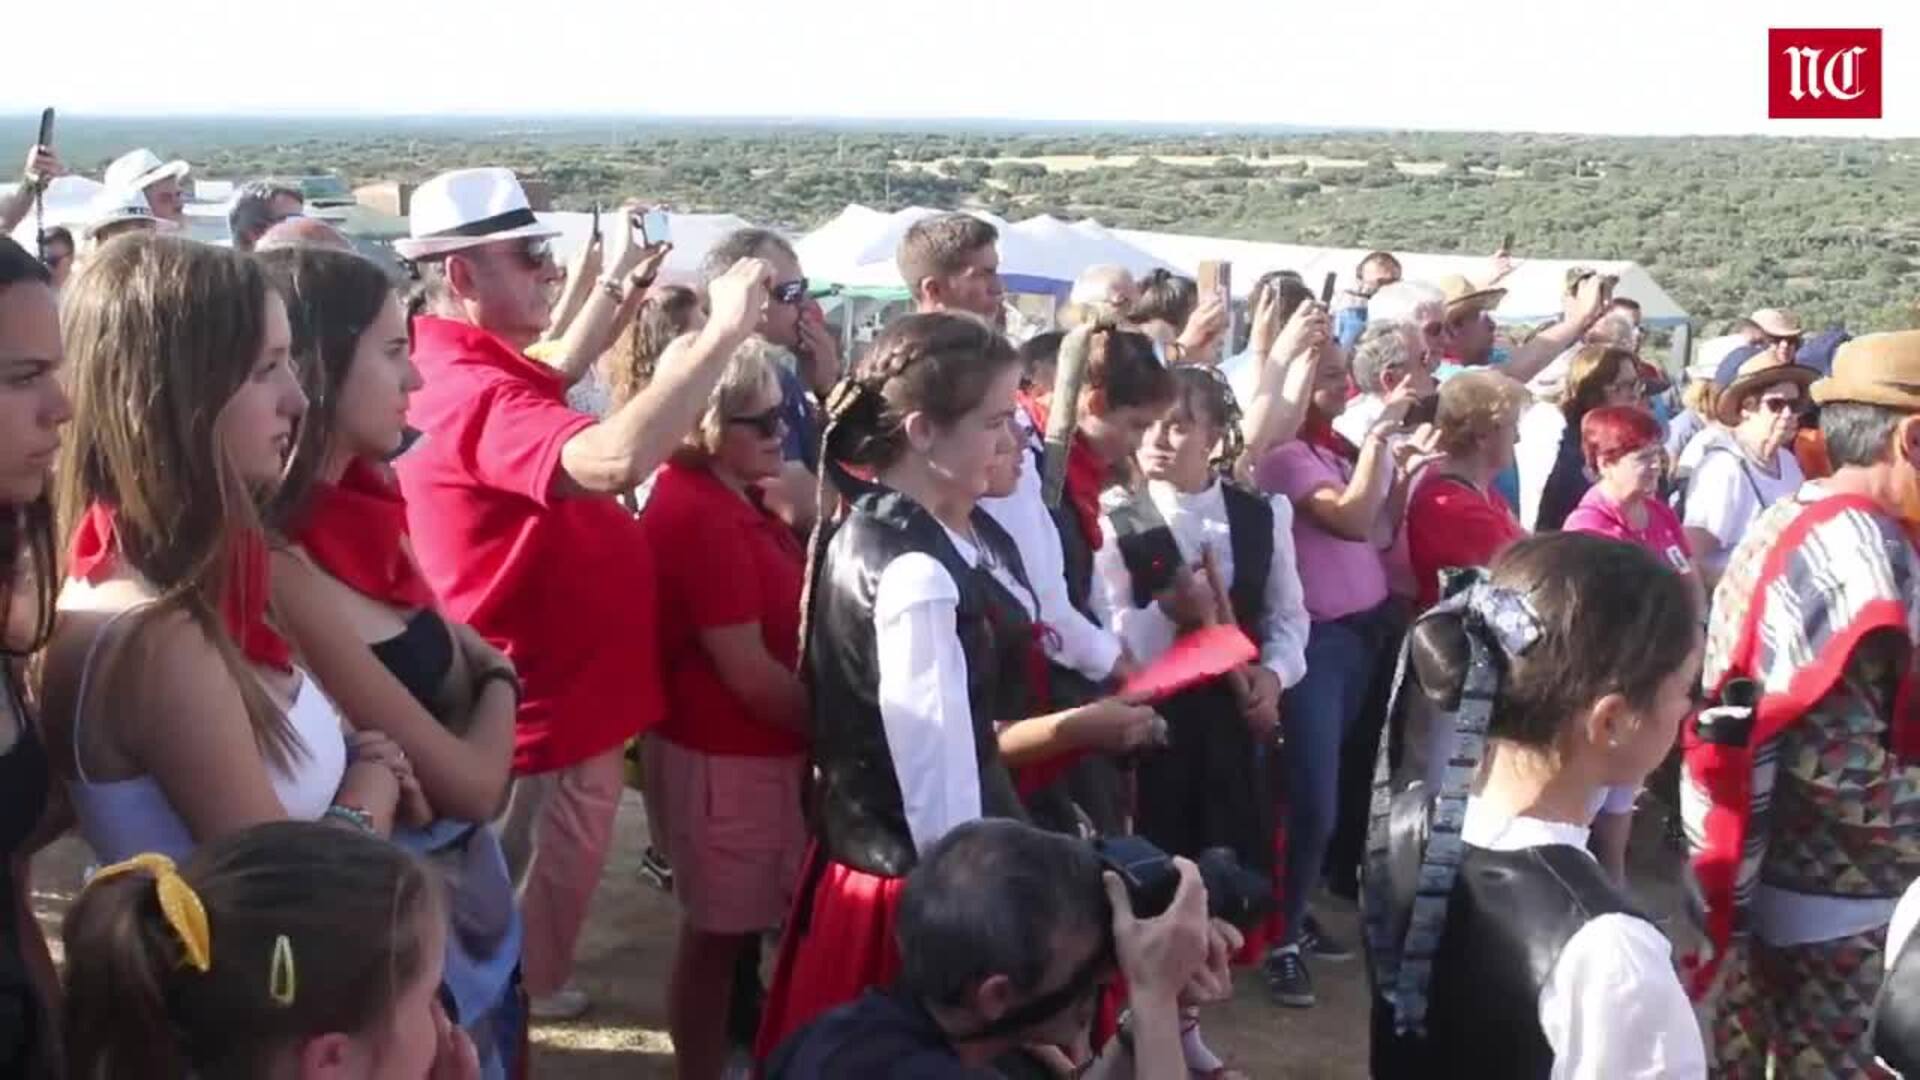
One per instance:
(566, 1003)
(1315, 941)
(1287, 980)
(655, 871)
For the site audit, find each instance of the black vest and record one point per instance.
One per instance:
(1510, 915)
(860, 818)
(1250, 529)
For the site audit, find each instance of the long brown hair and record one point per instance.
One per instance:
(332, 298)
(26, 534)
(665, 314)
(161, 333)
(349, 906)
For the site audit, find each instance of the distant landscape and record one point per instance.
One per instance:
(1830, 228)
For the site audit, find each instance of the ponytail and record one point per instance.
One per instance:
(121, 955)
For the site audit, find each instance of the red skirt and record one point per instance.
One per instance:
(838, 943)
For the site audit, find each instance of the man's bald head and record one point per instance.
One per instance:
(1105, 284)
(303, 232)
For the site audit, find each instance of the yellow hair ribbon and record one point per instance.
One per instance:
(178, 902)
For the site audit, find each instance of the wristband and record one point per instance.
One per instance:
(352, 815)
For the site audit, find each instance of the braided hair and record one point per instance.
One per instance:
(1204, 394)
(938, 365)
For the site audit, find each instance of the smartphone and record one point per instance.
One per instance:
(46, 128)
(655, 227)
(594, 236)
(1326, 287)
(1506, 243)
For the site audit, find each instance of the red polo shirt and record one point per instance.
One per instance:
(563, 584)
(722, 562)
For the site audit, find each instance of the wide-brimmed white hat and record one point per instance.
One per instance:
(466, 208)
(135, 169)
(114, 206)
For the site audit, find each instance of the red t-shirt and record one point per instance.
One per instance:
(563, 584)
(722, 562)
(1451, 523)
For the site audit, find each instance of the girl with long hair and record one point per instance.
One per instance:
(175, 709)
(360, 612)
(33, 408)
(1498, 944)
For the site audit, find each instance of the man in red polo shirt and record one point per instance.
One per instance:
(512, 510)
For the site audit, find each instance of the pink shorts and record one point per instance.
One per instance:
(735, 835)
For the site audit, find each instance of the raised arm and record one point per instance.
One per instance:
(618, 453)
(42, 166)
(1278, 406)
(1580, 311)
(608, 305)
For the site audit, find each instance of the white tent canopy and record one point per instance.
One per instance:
(858, 247)
(693, 235)
(1534, 289)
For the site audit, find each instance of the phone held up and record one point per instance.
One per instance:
(654, 226)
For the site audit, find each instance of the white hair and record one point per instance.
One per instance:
(1402, 302)
(1098, 284)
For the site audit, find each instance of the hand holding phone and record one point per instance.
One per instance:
(655, 227)
(1327, 287)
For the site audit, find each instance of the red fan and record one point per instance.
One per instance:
(1207, 653)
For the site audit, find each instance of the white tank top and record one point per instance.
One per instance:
(124, 818)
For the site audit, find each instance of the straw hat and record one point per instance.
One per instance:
(1462, 295)
(1758, 371)
(1877, 369)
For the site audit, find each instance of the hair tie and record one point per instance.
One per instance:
(845, 398)
(178, 902)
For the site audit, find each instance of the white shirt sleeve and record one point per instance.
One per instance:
(1285, 650)
(1084, 645)
(1720, 501)
(923, 697)
(1542, 427)
(1613, 1009)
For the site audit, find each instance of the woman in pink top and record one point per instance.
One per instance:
(1623, 448)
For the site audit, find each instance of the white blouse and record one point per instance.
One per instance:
(1199, 523)
(1077, 642)
(1613, 1009)
(924, 706)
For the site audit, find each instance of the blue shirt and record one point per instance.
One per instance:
(802, 443)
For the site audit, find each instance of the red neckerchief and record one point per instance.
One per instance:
(94, 553)
(1086, 473)
(356, 530)
(1318, 431)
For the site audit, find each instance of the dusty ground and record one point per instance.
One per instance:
(625, 952)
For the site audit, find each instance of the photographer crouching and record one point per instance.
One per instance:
(1007, 936)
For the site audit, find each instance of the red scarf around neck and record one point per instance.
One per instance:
(1318, 431)
(356, 530)
(1086, 474)
(94, 555)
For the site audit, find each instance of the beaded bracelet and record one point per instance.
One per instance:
(352, 815)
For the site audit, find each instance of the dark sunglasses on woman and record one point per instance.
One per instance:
(767, 425)
(790, 292)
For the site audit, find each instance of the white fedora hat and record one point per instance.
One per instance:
(466, 208)
(135, 169)
(118, 206)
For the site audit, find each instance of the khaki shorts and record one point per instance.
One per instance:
(735, 835)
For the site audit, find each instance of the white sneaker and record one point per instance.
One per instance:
(567, 1003)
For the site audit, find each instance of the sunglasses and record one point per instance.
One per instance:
(790, 292)
(534, 252)
(1779, 405)
(1793, 341)
(767, 425)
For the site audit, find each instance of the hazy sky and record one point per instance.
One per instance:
(1621, 66)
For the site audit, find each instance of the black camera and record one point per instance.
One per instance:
(1234, 894)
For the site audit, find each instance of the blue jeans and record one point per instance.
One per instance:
(1342, 658)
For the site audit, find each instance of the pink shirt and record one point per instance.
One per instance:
(1662, 535)
(1339, 577)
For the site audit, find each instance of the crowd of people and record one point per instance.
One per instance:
(994, 698)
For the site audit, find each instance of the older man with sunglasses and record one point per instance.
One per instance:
(511, 504)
